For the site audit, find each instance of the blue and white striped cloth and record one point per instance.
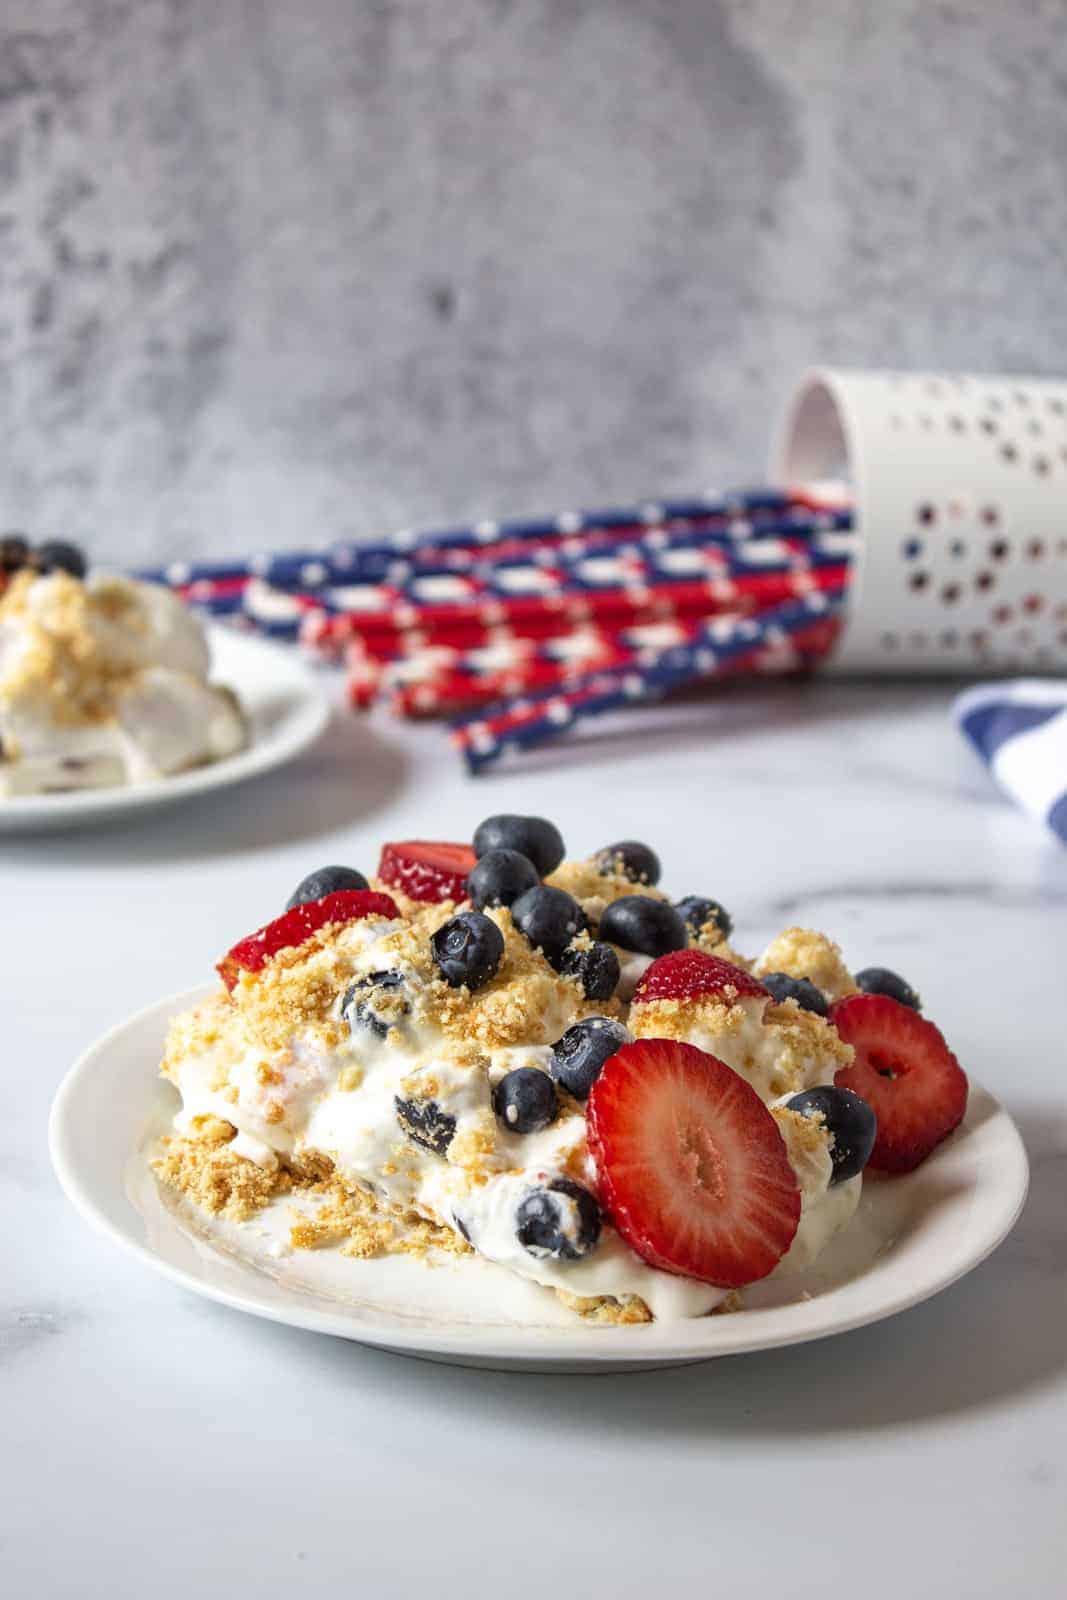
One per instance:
(1019, 729)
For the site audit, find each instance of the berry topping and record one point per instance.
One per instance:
(427, 869)
(560, 1221)
(631, 860)
(327, 880)
(578, 1058)
(525, 1100)
(906, 1073)
(372, 1005)
(426, 1124)
(697, 912)
(468, 949)
(549, 918)
(636, 922)
(499, 877)
(693, 1170)
(849, 1121)
(58, 555)
(595, 969)
(880, 980)
(802, 990)
(694, 975)
(293, 927)
(540, 841)
(14, 552)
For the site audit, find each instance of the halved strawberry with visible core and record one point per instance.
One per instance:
(693, 1170)
(293, 927)
(694, 975)
(427, 869)
(906, 1073)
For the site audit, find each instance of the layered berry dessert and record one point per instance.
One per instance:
(491, 1051)
(103, 680)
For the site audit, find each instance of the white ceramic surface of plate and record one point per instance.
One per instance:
(912, 1237)
(286, 711)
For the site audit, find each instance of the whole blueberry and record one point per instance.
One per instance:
(549, 918)
(540, 841)
(58, 555)
(560, 1220)
(697, 911)
(880, 980)
(850, 1122)
(595, 969)
(630, 858)
(802, 990)
(327, 880)
(425, 1124)
(525, 1100)
(14, 552)
(468, 949)
(579, 1056)
(637, 922)
(362, 1009)
(499, 878)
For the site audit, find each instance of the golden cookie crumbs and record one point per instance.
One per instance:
(676, 1019)
(364, 1228)
(585, 881)
(807, 1133)
(297, 991)
(195, 1032)
(66, 664)
(607, 1310)
(803, 953)
(222, 1183)
(350, 1078)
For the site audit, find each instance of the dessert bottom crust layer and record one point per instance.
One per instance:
(202, 1166)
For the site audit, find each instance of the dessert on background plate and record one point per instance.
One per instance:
(104, 681)
(491, 1051)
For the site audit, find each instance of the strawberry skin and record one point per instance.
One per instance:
(293, 927)
(906, 1073)
(693, 1170)
(430, 870)
(694, 975)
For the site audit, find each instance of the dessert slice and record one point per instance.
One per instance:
(451, 1061)
(103, 681)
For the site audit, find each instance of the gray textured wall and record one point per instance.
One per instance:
(279, 270)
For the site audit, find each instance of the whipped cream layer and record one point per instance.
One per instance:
(281, 1063)
(104, 682)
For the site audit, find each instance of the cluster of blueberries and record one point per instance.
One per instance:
(55, 555)
(514, 855)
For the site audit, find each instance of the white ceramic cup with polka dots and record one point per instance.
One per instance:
(960, 489)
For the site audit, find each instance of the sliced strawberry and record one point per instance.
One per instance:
(293, 927)
(694, 975)
(906, 1073)
(693, 1170)
(427, 869)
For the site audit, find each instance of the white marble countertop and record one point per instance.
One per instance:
(154, 1443)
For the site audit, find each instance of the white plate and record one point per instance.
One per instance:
(286, 712)
(912, 1237)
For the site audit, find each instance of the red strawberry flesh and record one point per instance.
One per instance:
(294, 927)
(430, 870)
(694, 975)
(693, 1170)
(906, 1073)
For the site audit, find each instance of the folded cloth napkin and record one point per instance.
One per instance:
(1019, 729)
